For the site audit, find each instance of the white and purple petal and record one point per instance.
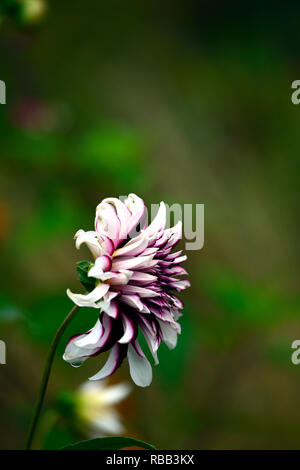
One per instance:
(111, 365)
(129, 329)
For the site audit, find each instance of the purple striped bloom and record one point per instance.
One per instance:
(132, 282)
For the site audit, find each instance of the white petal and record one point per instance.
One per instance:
(135, 302)
(110, 296)
(180, 259)
(134, 247)
(142, 277)
(150, 251)
(110, 307)
(76, 355)
(169, 334)
(107, 325)
(102, 265)
(90, 239)
(120, 278)
(140, 368)
(141, 291)
(90, 299)
(132, 262)
(152, 343)
(137, 209)
(175, 234)
(158, 223)
(101, 276)
(90, 339)
(179, 285)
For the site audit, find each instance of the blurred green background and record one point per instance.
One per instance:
(185, 102)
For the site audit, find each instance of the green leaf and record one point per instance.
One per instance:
(109, 443)
(82, 271)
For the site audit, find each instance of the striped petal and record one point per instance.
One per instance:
(129, 330)
(111, 364)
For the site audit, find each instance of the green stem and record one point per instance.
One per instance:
(46, 374)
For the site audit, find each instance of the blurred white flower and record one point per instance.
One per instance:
(94, 407)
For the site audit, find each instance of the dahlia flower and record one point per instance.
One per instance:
(94, 407)
(132, 282)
